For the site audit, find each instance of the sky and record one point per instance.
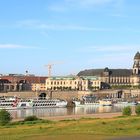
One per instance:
(72, 35)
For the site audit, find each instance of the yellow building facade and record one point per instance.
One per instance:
(68, 83)
(38, 87)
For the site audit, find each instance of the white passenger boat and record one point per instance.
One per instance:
(15, 103)
(8, 103)
(41, 103)
(105, 102)
(81, 104)
(125, 103)
(88, 100)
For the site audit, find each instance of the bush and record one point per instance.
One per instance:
(137, 110)
(31, 118)
(127, 111)
(5, 117)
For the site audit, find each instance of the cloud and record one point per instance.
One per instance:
(121, 60)
(110, 49)
(119, 15)
(10, 46)
(70, 27)
(69, 4)
(44, 33)
(28, 23)
(66, 6)
(44, 27)
(90, 2)
(33, 24)
(95, 3)
(112, 56)
(15, 46)
(57, 8)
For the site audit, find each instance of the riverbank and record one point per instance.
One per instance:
(86, 128)
(70, 117)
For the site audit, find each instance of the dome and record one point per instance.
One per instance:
(137, 55)
(106, 69)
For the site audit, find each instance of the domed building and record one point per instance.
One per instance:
(110, 77)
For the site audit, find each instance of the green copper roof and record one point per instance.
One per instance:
(90, 77)
(62, 78)
(74, 78)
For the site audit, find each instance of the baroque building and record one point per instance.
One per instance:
(68, 83)
(115, 77)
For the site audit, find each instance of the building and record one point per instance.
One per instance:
(27, 78)
(94, 83)
(69, 83)
(19, 82)
(38, 87)
(117, 77)
(66, 83)
(6, 86)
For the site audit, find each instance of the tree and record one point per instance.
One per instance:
(137, 110)
(5, 117)
(31, 118)
(127, 111)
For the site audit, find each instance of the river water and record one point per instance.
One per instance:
(45, 112)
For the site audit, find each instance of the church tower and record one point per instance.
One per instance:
(136, 65)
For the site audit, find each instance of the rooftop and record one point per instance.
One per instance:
(112, 72)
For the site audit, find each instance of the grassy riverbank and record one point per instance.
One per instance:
(83, 129)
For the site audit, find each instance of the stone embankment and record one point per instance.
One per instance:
(69, 95)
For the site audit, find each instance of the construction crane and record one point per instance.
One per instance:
(49, 69)
(49, 66)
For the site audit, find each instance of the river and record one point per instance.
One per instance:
(45, 112)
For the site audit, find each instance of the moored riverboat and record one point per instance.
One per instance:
(15, 103)
(80, 103)
(105, 102)
(85, 101)
(125, 103)
(8, 103)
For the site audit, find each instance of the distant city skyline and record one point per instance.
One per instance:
(81, 34)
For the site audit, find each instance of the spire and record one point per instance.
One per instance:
(137, 55)
(136, 65)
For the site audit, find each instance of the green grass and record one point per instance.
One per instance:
(83, 129)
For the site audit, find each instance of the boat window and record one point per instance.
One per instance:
(22, 105)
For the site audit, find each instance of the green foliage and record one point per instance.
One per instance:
(39, 121)
(5, 117)
(127, 111)
(31, 118)
(137, 110)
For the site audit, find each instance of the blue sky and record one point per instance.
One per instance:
(72, 34)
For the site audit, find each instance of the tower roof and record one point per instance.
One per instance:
(106, 69)
(137, 55)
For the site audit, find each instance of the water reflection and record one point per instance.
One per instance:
(44, 112)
